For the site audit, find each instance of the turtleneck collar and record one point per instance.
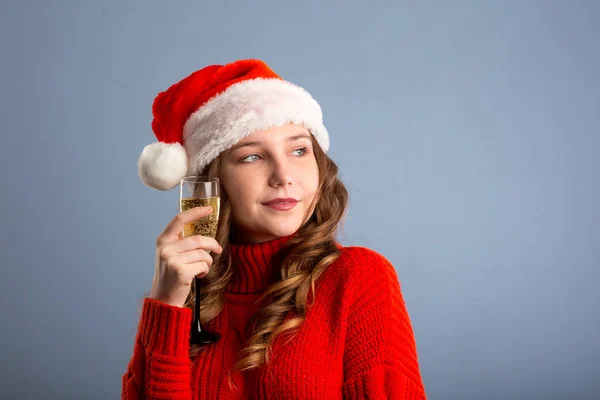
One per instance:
(256, 265)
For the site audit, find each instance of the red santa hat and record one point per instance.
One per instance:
(212, 109)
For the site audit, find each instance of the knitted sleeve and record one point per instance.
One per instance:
(160, 367)
(380, 356)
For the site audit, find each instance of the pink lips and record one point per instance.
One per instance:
(281, 204)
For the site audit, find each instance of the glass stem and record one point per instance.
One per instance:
(197, 306)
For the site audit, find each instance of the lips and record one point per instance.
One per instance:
(281, 204)
(278, 201)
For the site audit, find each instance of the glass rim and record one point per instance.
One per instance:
(198, 178)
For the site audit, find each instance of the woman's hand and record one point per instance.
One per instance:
(179, 260)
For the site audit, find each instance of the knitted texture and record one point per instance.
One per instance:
(357, 341)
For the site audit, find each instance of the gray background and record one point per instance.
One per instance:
(467, 133)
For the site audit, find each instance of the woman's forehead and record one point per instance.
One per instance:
(274, 135)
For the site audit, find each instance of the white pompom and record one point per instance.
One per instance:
(162, 165)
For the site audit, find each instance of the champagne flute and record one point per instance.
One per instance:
(200, 191)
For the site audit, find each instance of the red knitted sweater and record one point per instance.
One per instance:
(357, 341)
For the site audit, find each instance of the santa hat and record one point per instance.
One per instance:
(209, 111)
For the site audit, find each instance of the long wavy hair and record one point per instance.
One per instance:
(304, 258)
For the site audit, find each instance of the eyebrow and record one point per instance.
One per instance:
(248, 144)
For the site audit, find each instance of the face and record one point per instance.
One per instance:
(278, 163)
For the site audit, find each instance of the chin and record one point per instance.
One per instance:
(267, 227)
(283, 229)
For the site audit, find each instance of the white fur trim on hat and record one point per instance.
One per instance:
(244, 108)
(162, 165)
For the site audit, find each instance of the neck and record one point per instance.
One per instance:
(244, 237)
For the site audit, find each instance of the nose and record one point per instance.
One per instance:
(281, 174)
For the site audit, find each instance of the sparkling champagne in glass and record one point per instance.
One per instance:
(200, 191)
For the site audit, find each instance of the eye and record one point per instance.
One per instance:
(302, 149)
(249, 159)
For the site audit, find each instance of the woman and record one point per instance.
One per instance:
(301, 317)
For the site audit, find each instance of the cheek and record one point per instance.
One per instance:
(311, 180)
(238, 188)
(229, 185)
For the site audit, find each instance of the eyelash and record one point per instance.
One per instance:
(304, 150)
